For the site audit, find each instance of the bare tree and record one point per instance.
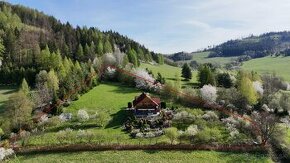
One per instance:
(265, 125)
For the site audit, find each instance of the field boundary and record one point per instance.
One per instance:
(166, 147)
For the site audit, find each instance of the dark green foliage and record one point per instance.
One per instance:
(186, 72)
(160, 79)
(35, 41)
(205, 75)
(224, 80)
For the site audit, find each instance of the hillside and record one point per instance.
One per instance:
(277, 65)
(254, 46)
(27, 32)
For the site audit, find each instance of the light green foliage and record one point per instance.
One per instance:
(245, 86)
(132, 56)
(266, 65)
(8, 19)
(208, 135)
(171, 133)
(19, 109)
(24, 87)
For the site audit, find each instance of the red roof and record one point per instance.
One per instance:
(144, 95)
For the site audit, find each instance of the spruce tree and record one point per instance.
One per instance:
(186, 72)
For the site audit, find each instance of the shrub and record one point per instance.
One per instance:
(224, 80)
(210, 115)
(4, 153)
(25, 136)
(208, 93)
(208, 135)
(171, 133)
(192, 130)
(83, 115)
(64, 135)
(85, 135)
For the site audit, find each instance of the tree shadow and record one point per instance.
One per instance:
(118, 119)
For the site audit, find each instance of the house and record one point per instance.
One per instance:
(144, 105)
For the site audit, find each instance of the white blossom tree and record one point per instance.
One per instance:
(208, 93)
(144, 80)
(83, 115)
(258, 87)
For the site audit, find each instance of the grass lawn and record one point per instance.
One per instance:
(143, 156)
(169, 72)
(108, 98)
(278, 65)
(5, 92)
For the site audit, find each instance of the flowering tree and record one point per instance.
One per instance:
(4, 153)
(258, 87)
(208, 93)
(192, 130)
(83, 115)
(144, 80)
(109, 59)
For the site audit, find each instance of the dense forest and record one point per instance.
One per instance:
(31, 41)
(276, 43)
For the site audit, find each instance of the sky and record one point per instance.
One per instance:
(169, 26)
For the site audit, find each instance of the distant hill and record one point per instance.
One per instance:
(255, 46)
(180, 56)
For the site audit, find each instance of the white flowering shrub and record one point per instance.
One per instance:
(4, 153)
(208, 93)
(144, 80)
(258, 87)
(110, 73)
(192, 130)
(43, 119)
(183, 117)
(231, 124)
(210, 115)
(83, 115)
(65, 117)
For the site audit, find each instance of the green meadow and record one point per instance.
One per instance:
(278, 65)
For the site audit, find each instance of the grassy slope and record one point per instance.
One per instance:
(201, 57)
(278, 65)
(5, 92)
(144, 156)
(169, 72)
(109, 98)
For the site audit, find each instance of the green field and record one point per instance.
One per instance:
(169, 72)
(202, 57)
(5, 92)
(143, 156)
(108, 98)
(277, 65)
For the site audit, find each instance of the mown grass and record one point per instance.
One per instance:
(143, 156)
(108, 98)
(170, 72)
(278, 65)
